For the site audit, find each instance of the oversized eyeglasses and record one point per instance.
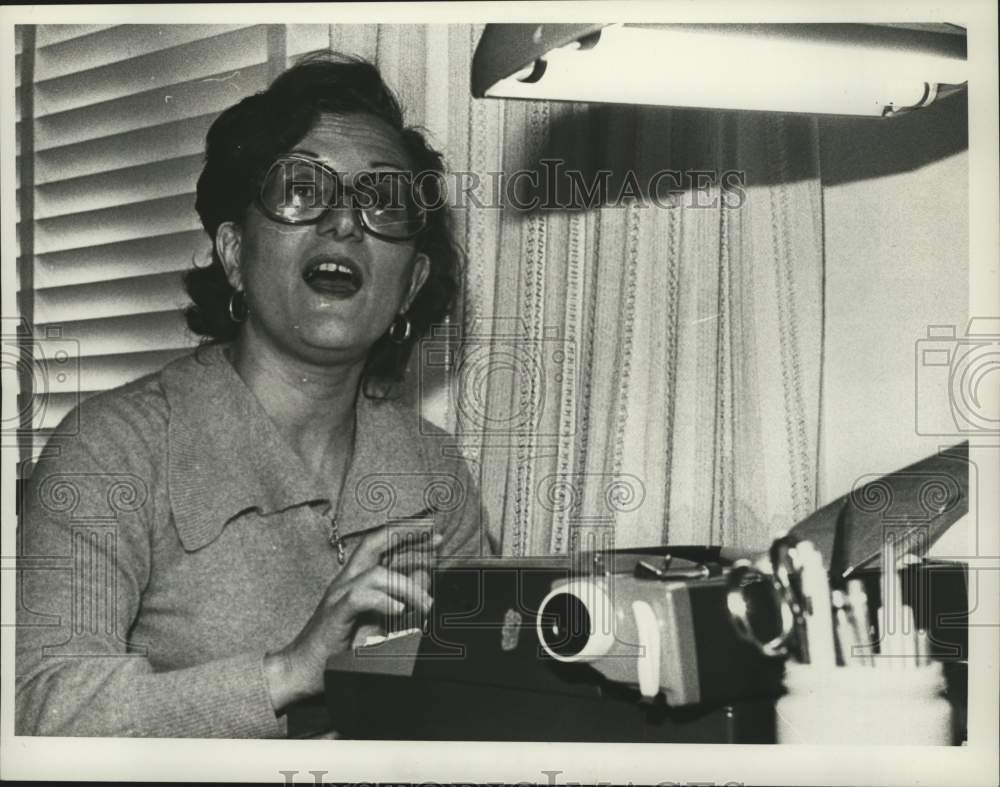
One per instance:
(299, 190)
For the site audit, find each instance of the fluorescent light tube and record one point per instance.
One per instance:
(827, 69)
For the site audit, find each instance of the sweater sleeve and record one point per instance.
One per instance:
(83, 563)
(467, 529)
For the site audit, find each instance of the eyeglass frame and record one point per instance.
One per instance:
(359, 213)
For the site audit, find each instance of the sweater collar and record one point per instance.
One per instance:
(226, 456)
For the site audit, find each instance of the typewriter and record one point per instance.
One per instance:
(633, 645)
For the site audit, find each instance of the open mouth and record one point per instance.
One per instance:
(335, 276)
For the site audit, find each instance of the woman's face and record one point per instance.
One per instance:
(292, 305)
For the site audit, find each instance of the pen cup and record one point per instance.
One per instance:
(864, 705)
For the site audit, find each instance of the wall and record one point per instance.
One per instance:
(895, 195)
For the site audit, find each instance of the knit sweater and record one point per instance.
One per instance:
(170, 538)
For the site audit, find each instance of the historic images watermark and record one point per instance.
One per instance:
(501, 353)
(91, 504)
(44, 367)
(956, 379)
(554, 187)
(551, 186)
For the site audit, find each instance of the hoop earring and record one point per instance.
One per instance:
(394, 329)
(238, 313)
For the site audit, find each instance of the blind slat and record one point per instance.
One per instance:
(118, 187)
(152, 108)
(39, 438)
(120, 118)
(135, 333)
(121, 42)
(112, 225)
(184, 137)
(100, 372)
(49, 409)
(49, 35)
(161, 254)
(136, 295)
(207, 59)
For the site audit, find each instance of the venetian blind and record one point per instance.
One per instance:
(118, 126)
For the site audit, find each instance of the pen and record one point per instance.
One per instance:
(893, 621)
(818, 619)
(846, 631)
(858, 600)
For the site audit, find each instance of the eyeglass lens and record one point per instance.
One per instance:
(297, 191)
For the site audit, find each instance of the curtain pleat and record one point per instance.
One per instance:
(692, 413)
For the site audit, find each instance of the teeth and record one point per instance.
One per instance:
(333, 267)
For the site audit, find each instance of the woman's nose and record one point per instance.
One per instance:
(342, 221)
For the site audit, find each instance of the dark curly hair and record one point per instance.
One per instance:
(244, 141)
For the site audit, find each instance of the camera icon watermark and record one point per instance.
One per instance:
(45, 370)
(957, 379)
(90, 505)
(504, 380)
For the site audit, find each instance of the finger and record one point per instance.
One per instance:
(419, 543)
(367, 599)
(367, 552)
(423, 578)
(391, 604)
(393, 584)
(398, 586)
(408, 561)
(404, 536)
(391, 538)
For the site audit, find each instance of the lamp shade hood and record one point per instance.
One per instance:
(506, 49)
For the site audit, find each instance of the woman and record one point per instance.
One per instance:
(227, 516)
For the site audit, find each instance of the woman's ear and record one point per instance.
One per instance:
(421, 270)
(227, 246)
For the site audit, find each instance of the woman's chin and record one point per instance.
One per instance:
(332, 344)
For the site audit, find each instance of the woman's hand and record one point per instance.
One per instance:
(364, 588)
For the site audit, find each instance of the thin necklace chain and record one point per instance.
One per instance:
(335, 540)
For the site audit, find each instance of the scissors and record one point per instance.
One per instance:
(782, 594)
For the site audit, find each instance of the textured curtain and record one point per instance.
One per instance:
(622, 369)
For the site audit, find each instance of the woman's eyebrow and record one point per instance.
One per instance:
(393, 164)
(319, 158)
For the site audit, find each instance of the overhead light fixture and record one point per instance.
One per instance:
(840, 69)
